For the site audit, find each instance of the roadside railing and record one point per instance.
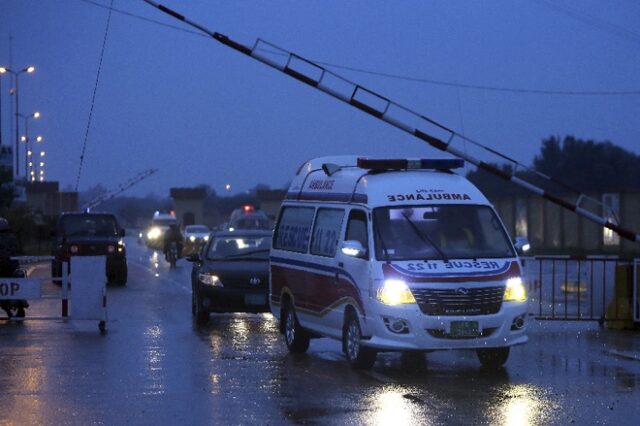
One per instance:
(591, 288)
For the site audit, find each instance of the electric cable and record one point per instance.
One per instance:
(93, 98)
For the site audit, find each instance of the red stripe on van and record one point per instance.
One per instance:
(313, 292)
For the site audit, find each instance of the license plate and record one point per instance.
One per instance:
(254, 299)
(464, 329)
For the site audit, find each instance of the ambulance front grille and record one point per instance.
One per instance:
(459, 301)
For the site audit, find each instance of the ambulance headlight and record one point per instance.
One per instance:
(515, 291)
(154, 233)
(395, 292)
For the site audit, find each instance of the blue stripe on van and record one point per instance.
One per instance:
(341, 197)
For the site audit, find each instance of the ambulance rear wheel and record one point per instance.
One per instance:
(359, 356)
(493, 357)
(295, 336)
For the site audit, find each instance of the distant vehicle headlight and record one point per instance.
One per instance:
(211, 280)
(515, 291)
(154, 233)
(206, 238)
(395, 292)
(192, 238)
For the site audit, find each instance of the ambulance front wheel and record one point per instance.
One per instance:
(295, 336)
(493, 357)
(359, 356)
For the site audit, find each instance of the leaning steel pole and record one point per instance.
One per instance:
(399, 116)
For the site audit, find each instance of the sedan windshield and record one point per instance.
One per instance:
(439, 232)
(239, 247)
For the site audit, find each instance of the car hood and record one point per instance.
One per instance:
(239, 273)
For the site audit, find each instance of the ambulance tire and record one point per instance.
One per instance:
(296, 338)
(359, 356)
(493, 357)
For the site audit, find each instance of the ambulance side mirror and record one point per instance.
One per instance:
(353, 248)
(522, 245)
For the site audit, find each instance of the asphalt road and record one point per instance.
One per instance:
(154, 366)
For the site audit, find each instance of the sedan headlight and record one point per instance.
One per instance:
(211, 280)
(206, 238)
(395, 292)
(515, 291)
(192, 238)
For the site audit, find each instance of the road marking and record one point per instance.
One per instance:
(163, 277)
(626, 355)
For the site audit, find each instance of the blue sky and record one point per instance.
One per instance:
(203, 113)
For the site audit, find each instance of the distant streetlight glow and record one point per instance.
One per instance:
(29, 69)
(227, 186)
(41, 153)
(39, 138)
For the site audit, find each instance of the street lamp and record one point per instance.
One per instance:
(30, 69)
(26, 140)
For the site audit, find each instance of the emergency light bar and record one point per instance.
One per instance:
(406, 164)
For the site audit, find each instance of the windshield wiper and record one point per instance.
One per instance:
(384, 246)
(425, 238)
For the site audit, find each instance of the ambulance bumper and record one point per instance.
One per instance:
(407, 328)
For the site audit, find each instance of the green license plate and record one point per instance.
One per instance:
(464, 329)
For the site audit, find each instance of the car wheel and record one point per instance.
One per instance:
(359, 356)
(201, 314)
(493, 357)
(295, 336)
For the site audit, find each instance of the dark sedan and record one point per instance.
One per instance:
(231, 274)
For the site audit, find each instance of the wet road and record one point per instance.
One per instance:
(154, 366)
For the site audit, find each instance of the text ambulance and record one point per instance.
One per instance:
(394, 255)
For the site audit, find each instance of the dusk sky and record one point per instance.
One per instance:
(205, 114)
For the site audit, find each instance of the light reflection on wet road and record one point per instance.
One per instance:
(154, 366)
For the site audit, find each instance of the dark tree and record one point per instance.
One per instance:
(589, 166)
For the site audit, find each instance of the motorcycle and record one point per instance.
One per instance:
(172, 254)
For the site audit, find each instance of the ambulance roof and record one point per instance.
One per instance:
(339, 179)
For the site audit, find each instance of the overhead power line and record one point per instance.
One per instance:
(421, 80)
(93, 97)
(592, 21)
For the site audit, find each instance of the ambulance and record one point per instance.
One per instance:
(394, 255)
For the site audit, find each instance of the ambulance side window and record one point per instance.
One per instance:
(326, 232)
(357, 229)
(294, 229)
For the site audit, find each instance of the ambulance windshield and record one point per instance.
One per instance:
(439, 232)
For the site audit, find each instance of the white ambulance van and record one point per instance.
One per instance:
(394, 255)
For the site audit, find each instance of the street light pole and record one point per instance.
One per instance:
(30, 69)
(28, 162)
